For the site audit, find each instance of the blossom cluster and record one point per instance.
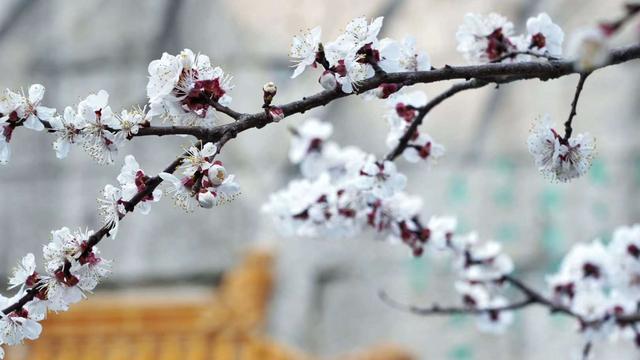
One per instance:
(204, 181)
(72, 268)
(182, 88)
(91, 124)
(72, 263)
(345, 191)
(342, 191)
(599, 283)
(490, 38)
(356, 55)
(402, 110)
(481, 268)
(558, 158)
(133, 181)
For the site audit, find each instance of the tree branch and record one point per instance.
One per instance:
(492, 72)
(532, 297)
(499, 73)
(103, 232)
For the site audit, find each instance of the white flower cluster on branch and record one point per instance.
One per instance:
(490, 38)
(182, 87)
(71, 270)
(345, 191)
(599, 283)
(356, 55)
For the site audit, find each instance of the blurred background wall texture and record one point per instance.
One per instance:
(325, 300)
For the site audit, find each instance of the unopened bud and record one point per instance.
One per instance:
(216, 174)
(206, 199)
(385, 90)
(328, 80)
(269, 91)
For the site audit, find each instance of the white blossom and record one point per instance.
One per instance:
(544, 145)
(10, 103)
(474, 296)
(111, 208)
(90, 270)
(575, 157)
(423, 148)
(304, 49)
(99, 141)
(23, 272)
(442, 230)
(72, 269)
(402, 56)
(69, 130)
(32, 112)
(588, 48)
(349, 71)
(61, 295)
(17, 325)
(586, 266)
(380, 178)
(347, 65)
(308, 138)
(180, 88)
(131, 121)
(544, 36)
(180, 193)
(359, 33)
(198, 159)
(485, 262)
(624, 249)
(133, 180)
(483, 39)
(557, 158)
(495, 321)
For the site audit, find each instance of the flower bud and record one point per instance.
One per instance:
(217, 174)
(206, 199)
(385, 90)
(328, 80)
(269, 90)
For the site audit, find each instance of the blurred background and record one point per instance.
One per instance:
(322, 294)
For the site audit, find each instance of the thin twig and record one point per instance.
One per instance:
(451, 310)
(541, 299)
(586, 350)
(574, 105)
(513, 54)
(423, 111)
